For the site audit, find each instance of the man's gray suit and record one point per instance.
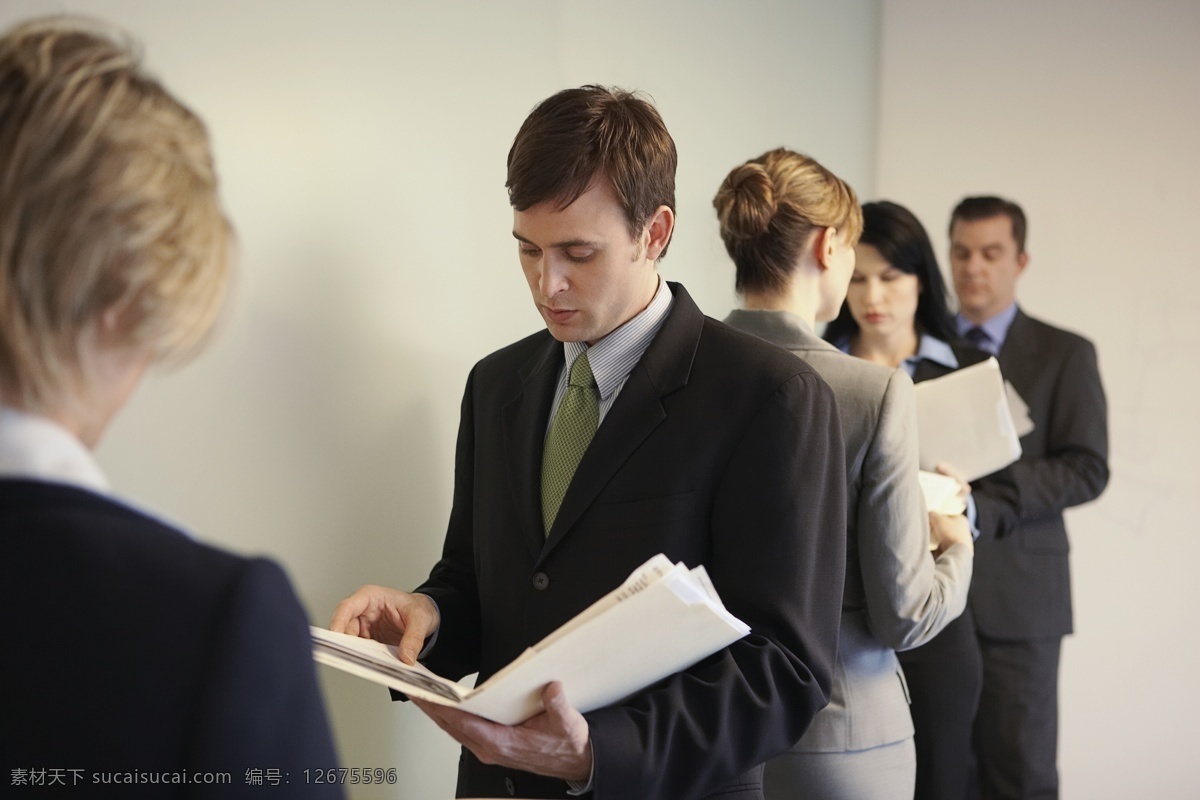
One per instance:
(1021, 596)
(896, 595)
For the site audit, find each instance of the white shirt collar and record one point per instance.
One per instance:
(934, 349)
(35, 447)
(613, 357)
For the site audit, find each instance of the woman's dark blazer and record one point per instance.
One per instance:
(966, 355)
(140, 663)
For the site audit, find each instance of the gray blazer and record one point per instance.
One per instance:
(897, 596)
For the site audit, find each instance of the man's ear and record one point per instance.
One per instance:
(1022, 261)
(659, 228)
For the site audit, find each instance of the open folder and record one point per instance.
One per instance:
(660, 621)
(964, 420)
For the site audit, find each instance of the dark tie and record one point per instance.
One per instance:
(570, 434)
(979, 339)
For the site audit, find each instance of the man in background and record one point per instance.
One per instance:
(1021, 591)
(633, 425)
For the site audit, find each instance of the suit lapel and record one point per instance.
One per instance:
(638, 410)
(525, 419)
(1017, 350)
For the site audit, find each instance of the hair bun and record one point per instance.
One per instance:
(746, 202)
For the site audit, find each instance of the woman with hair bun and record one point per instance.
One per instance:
(790, 226)
(896, 314)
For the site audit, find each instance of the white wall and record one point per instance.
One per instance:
(1088, 114)
(362, 146)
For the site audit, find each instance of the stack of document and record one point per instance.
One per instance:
(660, 621)
(964, 419)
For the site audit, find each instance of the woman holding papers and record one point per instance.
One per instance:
(896, 314)
(135, 655)
(790, 227)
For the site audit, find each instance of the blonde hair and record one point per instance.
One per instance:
(770, 208)
(108, 200)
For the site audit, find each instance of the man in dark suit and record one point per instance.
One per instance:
(702, 443)
(1021, 592)
(138, 662)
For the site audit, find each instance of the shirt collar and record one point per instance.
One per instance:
(934, 349)
(32, 446)
(996, 328)
(930, 348)
(612, 358)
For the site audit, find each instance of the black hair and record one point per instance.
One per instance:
(901, 240)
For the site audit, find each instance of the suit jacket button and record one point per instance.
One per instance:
(541, 581)
(510, 787)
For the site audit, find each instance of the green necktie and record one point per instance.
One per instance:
(570, 433)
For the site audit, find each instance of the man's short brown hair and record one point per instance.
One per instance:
(108, 201)
(577, 136)
(973, 209)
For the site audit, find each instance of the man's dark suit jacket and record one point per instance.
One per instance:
(131, 649)
(1022, 583)
(721, 450)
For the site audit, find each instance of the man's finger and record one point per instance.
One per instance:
(554, 698)
(340, 622)
(411, 643)
(345, 616)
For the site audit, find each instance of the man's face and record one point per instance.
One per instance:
(985, 264)
(586, 275)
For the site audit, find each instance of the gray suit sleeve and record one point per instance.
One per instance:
(910, 596)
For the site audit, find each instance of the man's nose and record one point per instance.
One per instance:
(553, 277)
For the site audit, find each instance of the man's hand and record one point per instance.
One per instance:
(389, 616)
(554, 743)
(945, 532)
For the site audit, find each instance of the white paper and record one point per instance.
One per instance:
(941, 493)
(660, 621)
(964, 420)
(373, 660)
(1020, 411)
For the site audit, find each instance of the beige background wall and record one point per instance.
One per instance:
(1088, 113)
(362, 148)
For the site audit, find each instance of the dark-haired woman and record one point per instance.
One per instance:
(790, 226)
(896, 315)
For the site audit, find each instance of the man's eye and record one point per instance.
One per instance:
(529, 251)
(579, 256)
(856, 278)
